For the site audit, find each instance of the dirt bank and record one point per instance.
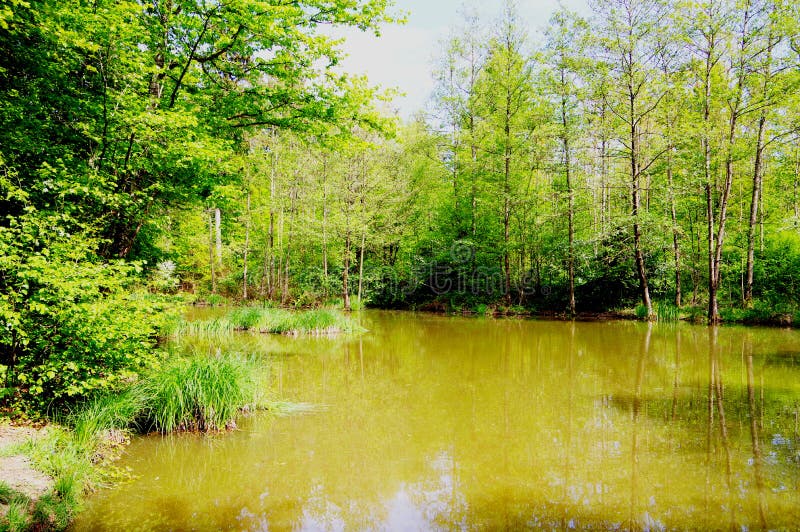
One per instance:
(16, 469)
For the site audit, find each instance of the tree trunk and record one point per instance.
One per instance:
(271, 248)
(754, 204)
(758, 174)
(676, 246)
(716, 244)
(641, 272)
(287, 259)
(246, 247)
(211, 253)
(361, 263)
(218, 233)
(570, 196)
(346, 272)
(507, 203)
(325, 224)
(713, 306)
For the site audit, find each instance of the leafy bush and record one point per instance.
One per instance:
(69, 325)
(164, 277)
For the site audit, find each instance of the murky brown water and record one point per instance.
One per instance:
(433, 422)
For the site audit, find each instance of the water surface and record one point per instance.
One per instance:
(433, 422)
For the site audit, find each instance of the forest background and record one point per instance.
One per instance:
(643, 158)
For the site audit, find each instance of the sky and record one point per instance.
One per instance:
(404, 55)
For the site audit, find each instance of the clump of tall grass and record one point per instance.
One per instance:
(16, 517)
(268, 320)
(107, 416)
(196, 393)
(206, 328)
(641, 312)
(199, 393)
(667, 312)
(246, 317)
(320, 321)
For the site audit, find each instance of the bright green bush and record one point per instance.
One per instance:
(70, 325)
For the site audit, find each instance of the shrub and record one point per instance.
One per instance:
(69, 325)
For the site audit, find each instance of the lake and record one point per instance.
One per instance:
(431, 422)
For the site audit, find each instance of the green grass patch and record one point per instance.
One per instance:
(198, 393)
(7, 494)
(216, 300)
(268, 320)
(667, 312)
(213, 328)
(195, 393)
(17, 518)
(68, 461)
(481, 309)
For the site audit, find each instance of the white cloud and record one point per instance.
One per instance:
(402, 57)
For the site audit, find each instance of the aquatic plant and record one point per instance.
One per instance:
(245, 317)
(106, 413)
(206, 328)
(199, 393)
(319, 321)
(189, 393)
(268, 320)
(667, 312)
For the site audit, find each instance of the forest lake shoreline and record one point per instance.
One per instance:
(15, 434)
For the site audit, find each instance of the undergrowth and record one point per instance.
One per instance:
(268, 320)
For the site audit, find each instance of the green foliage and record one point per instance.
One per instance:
(778, 268)
(71, 324)
(200, 393)
(164, 279)
(269, 320)
(666, 312)
(197, 392)
(112, 113)
(641, 312)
